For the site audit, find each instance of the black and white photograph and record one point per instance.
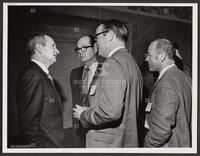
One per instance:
(100, 78)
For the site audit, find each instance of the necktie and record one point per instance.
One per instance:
(85, 79)
(50, 77)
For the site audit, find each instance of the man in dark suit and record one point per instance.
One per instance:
(39, 106)
(168, 111)
(86, 51)
(112, 116)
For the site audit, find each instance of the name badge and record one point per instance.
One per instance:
(93, 89)
(148, 107)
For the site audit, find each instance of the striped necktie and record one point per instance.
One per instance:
(85, 79)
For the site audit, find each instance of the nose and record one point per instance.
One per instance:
(80, 54)
(57, 51)
(147, 58)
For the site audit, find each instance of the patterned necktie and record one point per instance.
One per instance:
(85, 79)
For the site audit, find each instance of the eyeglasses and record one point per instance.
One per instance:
(105, 31)
(147, 55)
(83, 49)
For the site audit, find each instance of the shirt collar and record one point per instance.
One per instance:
(164, 70)
(115, 50)
(92, 66)
(41, 65)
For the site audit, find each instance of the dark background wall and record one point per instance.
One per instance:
(66, 25)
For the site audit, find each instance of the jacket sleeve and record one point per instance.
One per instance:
(162, 117)
(109, 97)
(30, 97)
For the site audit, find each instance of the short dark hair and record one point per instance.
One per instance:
(166, 46)
(38, 39)
(92, 39)
(118, 27)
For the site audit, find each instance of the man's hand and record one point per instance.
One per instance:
(78, 110)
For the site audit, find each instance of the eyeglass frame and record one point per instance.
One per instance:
(81, 48)
(147, 55)
(105, 31)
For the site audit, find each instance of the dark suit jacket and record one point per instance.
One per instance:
(75, 81)
(112, 117)
(169, 119)
(39, 109)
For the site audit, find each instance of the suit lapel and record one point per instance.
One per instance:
(95, 77)
(152, 89)
(34, 65)
(158, 80)
(80, 73)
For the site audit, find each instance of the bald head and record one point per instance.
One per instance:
(164, 45)
(160, 54)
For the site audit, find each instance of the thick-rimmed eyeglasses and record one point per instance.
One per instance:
(105, 31)
(82, 49)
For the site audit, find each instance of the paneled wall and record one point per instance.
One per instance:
(66, 25)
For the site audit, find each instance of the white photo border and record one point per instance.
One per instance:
(193, 149)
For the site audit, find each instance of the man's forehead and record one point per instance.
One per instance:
(49, 39)
(100, 28)
(152, 47)
(83, 40)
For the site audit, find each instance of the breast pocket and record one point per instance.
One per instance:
(51, 105)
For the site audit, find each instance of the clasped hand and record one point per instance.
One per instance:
(78, 110)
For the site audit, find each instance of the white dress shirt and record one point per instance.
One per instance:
(41, 65)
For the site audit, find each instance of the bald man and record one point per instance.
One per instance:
(168, 112)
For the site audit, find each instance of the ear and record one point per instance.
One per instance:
(110, 35)
(95, 48)
(162, 56)
(38, 48)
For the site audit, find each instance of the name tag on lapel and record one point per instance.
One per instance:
(148, 107)
(93, 89)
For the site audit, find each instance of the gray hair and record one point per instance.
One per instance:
(38, 39)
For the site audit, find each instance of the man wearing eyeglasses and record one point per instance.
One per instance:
(82, 80)
(112, 116)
